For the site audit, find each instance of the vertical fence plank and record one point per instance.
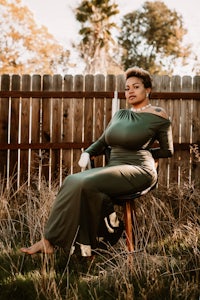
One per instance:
(4, 128)
(89, 111)
(25, 126)
(164, 164)
(156, 83)
(99, 106)
(68, 126)
(196, 132)
(186, 111)
(47, 128)
(78, 109)
(196, 112)
(110, 87)
(36, 137)
(120, 87)
(176, 121)
(99, 81)
(57, 129)
(15, 128)
(186, 129)
(165, 82)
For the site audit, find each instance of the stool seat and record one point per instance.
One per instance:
(121, 198)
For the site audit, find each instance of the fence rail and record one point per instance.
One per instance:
(91, 94)
(67, 145)
(46, 121)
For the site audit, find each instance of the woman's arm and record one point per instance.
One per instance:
(165, 139)
(97, 147)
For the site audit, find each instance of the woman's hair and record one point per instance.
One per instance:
(140, 73)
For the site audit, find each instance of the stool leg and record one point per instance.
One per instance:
(128, 214)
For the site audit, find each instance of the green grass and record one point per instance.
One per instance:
(165, 264)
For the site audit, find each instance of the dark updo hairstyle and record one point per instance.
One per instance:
(140, 73)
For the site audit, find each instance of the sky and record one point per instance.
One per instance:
(58, 17)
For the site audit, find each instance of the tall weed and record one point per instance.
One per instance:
(164, 265)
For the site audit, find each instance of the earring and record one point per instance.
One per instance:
(147, 95)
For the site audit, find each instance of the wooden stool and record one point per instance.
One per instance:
(128, 202)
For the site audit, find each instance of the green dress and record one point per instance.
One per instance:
(85, 196)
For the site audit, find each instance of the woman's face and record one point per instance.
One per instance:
(135, 92)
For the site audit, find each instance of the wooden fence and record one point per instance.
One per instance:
(46, 121)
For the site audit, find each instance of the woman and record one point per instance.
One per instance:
(85, 196)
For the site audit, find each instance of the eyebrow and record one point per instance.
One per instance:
(133, 83)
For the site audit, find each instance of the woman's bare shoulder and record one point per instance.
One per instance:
(159, 111)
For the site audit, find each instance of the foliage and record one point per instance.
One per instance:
(196, 152)
(151, 37)
(164, 265)
(96, 32)
(26, 47)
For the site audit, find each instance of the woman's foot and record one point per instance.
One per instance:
(43, 246)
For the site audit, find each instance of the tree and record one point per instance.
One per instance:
(96, 43)
(152, 37)
(26, 47)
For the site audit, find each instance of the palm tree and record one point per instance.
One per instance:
(97, 42)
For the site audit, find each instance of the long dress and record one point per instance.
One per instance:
(78, 207)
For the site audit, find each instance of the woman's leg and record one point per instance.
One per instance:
(63, 222)
(99, 187)
(79, 201)
(42, 246)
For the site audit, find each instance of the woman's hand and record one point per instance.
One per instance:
(84, 160)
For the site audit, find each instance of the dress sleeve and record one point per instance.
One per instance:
(97, 147)
(165, 139)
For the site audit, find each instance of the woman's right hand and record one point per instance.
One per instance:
(84, 160)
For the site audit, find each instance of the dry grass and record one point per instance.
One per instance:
(165, 264)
